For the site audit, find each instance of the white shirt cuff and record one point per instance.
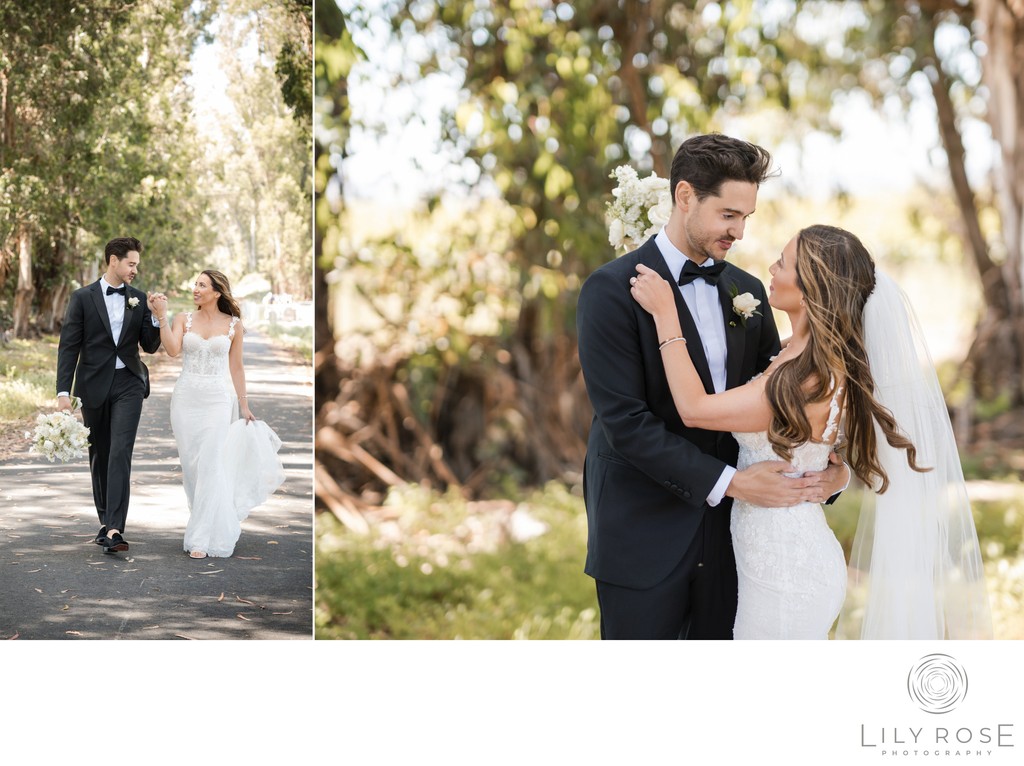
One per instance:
(718, 491)
(63, 393)
(849, 478)
(154, 320)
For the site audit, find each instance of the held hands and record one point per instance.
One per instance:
(157, 303)
(654, 294)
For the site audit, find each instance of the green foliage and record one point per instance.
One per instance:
(255, 167)
(99, 140)
(555, 96)
(424, 574)
(87, 151)
(334, 55)
(441, 571)
(295, 63)
(299, 339)
(28, 379)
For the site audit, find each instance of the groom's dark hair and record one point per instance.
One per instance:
(706, 161)
(121, 247)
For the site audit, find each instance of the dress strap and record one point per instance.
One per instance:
(188, 321)
(231, 327)
(833, 414)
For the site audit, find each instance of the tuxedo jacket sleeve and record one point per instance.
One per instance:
(647, 475)
(70, 346)
(617, 343)
(149, 336)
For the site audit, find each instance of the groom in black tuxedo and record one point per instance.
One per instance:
(659, 494)
(105, 324)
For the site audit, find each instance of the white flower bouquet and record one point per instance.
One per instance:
(59, 436)
(641, 206)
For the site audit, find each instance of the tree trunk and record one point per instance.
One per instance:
(634, 33)
(25, 290)
(252, 243)
(1002, 31)
(996, 355)
(280, 279)
(6, 118)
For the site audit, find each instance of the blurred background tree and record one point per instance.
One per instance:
(474, 312)
(102, 135)
(446, 334)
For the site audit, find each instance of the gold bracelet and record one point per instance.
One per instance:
(671, 340)
(242, 397)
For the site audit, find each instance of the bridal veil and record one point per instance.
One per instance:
(915, 570)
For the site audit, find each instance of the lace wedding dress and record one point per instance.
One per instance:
(791, 568)
(228, 466)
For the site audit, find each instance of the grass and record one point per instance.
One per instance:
(298, 338)
(438, 571)
(29, 377)
(431, 570)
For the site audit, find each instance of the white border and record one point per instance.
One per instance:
(490, 702)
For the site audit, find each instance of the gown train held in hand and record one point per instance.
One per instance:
(228, 466)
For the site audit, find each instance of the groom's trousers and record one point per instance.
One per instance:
(112, 429)
(697, 600)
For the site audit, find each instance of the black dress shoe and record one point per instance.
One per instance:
(101, 535)
(114, 543)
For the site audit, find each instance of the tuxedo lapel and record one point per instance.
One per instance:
(734, 331)
(131, 321)
(101, 307)
(689, 327)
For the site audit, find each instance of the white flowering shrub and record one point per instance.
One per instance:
(641, 206)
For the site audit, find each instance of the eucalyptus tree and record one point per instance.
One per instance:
(334, 55)
(972, 56)
(92, 110)
(554, 95)
(256, 164)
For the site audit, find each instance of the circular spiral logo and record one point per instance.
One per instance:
(937, 683)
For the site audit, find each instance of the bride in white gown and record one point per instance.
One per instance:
(854, 356)
(229, 465)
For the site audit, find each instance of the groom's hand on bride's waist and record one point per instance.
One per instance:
(765, 484)
(834, 479)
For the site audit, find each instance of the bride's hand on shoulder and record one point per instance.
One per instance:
(654, 294)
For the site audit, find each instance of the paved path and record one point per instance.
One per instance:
(55, 583)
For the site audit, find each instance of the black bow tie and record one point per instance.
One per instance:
(692, 271)
(118, 290)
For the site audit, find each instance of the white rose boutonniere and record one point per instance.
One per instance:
(133, 302)
(744, 305)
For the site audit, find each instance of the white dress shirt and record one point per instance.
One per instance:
(115, 303)
(702, 301)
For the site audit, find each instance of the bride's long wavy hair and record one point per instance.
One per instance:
(225, 301)
(836, 274)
